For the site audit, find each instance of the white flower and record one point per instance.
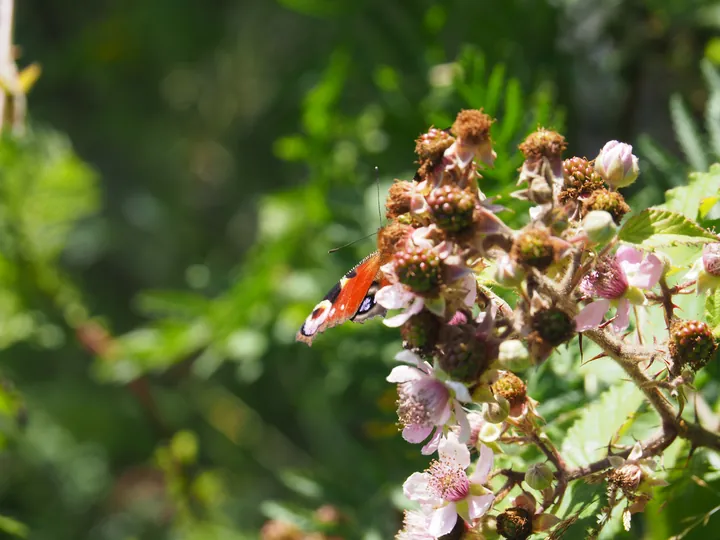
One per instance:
(445, 491)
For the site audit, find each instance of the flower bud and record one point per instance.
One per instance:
(539, 476)
(496, 412)
(711, 258)
(617, 164)
(513, 355)
(599, 226)
(515, 523)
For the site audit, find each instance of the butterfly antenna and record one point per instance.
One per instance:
(333, 250)
(377, 183)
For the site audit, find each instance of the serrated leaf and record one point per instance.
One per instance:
(588, 438)
(661, 228)
(712, 311)
(687, 199)
(687, 134)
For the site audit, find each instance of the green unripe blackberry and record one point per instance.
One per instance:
(580, 179)
(418, 268)
(431, 145)
(692, 345)
(515, 523)
(533, 247)
(553, 325)
(452, 208)
(611, 202)
(421, 332)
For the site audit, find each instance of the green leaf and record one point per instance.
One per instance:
(662, 228)
(688, 199)
(687, 134)
(588, 438)
(13, 527)
(712, 311)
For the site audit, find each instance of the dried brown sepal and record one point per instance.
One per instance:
(611, 202)
(472, 126)
(512, 388)
(430, 146)
(543, 143)
(399, 199)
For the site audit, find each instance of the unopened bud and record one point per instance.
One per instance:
(711, 258)
(599, 226)
(617, 164)
(513, 355)
(496, 412)
(539, 476)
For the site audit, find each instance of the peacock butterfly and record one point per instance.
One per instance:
(352, 298)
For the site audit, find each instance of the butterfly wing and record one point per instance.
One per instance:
(352, 298)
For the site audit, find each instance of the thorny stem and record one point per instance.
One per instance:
(629, 357)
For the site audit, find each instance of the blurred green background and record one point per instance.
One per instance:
(165, 226)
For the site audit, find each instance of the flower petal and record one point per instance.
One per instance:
(432, 445)
(628, 254)
(622, 318)
(402, 318)
(460, 390)
(411, 358)
(591, 315)
(442, 520)
(451, 449)
(416, 488)
(463, 422)
(394, 296)
(401, 374)
(443, 415)
(484, 465)
(416, 433)
(648, 273)
(478, 505)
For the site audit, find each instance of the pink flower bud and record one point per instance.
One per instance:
(617, 164)
(711, 258)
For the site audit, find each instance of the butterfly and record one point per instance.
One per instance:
(352, 298)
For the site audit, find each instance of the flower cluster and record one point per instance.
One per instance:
(458, 390)
(449, 266)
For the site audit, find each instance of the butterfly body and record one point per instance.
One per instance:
(352, 298)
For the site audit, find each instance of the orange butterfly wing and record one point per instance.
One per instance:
(352, 298)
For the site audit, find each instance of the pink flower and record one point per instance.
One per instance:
(445, 490)
(426, 403)
(618, 282)
(706, 270)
